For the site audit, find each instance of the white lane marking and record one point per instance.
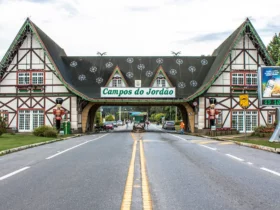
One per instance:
(13, 173)
(250, 163)
(270, 171)
(212, 148)
(180, 138)
(50, 157)
(236, 158)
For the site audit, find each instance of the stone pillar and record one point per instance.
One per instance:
(85, 116)
(191, 116)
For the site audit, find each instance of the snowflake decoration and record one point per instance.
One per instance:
(99, 80)
(109, 65)
(82, 77)
(129, 74)
(193, 83)
(173, 71)
(159, 61)
(73, 64)
(129, 60)
(149, 73)
(93, 69)
(179, 61)
(204, 62)
(141, 66)
(192, 69)
(181, 85)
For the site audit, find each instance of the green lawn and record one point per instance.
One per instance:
(8, 141)
(259, 141)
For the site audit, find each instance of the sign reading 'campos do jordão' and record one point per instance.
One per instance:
(131, 92)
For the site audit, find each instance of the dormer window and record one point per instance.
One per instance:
(161, 82)
(117, 81)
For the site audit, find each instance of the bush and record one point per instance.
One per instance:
(2, 125)
(50, 133)
(40, 131)
(177, 122)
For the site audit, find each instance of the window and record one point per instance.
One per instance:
(24, 120)
(244, 78)
(38, 118)
(30, 78)
(251, 79)
(241, 119)
(37, 78)
(270, 119)
(219, 120)
(23, 78)
(161, 83)
(238, 79)
(30, 119)
(117, 82)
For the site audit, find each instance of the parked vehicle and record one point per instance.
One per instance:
(108, 126)
(169, 125)
(119, 122)
(115, 124)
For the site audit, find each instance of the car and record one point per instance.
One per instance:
(169, 125)
(115, 124)
(108, 126)
(119, 122)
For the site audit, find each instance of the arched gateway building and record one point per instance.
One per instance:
(36, 70)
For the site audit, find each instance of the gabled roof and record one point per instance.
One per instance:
(160, 70)
(116, 71)
(192, 75)
(223, 51)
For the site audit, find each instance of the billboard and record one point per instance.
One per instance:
(269, 86)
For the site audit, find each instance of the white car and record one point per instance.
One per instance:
(119, 122)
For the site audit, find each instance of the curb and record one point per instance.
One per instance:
(255, 146)
(8, 151)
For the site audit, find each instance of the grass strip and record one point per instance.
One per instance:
(260, 142)
(8, 141)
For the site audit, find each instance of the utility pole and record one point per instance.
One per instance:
(176, 114)
(120, 113)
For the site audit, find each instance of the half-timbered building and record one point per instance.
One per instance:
(35, 71)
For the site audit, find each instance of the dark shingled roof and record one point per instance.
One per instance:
(185, 73)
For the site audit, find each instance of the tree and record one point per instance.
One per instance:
(273, 49)
(98, 118)
(2, 125)
(159, 116)
(109, 118)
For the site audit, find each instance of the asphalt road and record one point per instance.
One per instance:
(183, 172)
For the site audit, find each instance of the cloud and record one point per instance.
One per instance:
(38, 1)
(146, 27)
(142, 9)
(211, 37)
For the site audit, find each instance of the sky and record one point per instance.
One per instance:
(138, 28)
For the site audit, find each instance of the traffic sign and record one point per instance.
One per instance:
(244, 100)
(194, 103)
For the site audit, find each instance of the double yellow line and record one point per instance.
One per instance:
(146, 197)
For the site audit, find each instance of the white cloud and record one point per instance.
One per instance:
(129, 27)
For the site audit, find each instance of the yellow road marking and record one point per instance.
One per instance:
(127, 196)
(228, 142)
(146, 197)
(206, 142)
